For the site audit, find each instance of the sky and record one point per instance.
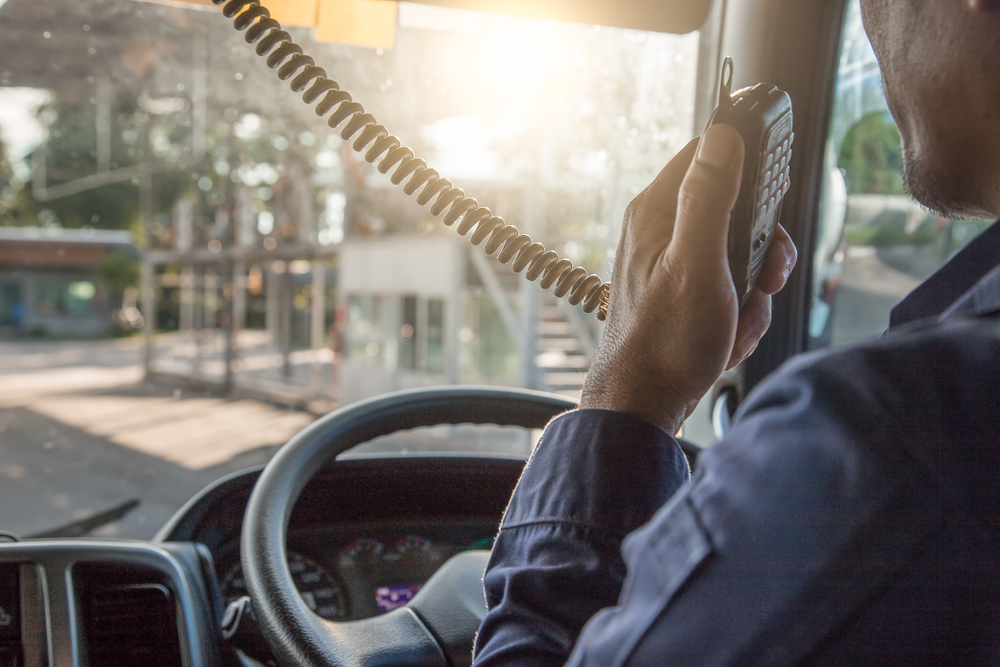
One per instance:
(19, 127)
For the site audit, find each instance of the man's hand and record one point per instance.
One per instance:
(674, 322)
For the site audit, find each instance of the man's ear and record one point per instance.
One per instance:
(984, 5)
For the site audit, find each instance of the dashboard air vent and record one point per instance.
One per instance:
(129, 617)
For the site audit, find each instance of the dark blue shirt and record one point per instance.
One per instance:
(852, 515)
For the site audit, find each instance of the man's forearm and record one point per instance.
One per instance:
(595, 476)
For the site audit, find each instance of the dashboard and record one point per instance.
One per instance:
(363, 537)
(365, 534)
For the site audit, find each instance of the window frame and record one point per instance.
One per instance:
(794, 45)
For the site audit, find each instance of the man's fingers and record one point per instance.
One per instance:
(755, 319)
(663, 190)
(649, 219)
(707, 195)
(755, 316)
(780, 261)
(658, 202)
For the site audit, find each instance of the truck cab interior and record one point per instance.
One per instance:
(341, 553)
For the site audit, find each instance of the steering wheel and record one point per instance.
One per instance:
(437, 627)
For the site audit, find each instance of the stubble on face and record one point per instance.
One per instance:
(940, 79)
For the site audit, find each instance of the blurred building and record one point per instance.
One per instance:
(431, 310)
(47, 281)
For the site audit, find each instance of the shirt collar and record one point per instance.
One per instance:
(983, 299)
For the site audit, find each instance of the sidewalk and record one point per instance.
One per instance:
(81, 431)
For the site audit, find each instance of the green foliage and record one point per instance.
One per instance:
(70, 154)
(872, 156)
(15, 208)
(6, 173)
(117, 271)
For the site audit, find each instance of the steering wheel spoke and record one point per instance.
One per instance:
(398, 637)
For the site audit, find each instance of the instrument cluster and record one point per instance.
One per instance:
(345, 577)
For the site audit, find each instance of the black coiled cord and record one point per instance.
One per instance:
(387, 152)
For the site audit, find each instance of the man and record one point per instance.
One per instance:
(852, 514)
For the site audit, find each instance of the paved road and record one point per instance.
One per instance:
(872, 282)
(81, 432)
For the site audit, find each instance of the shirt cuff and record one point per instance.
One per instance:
(600, 469)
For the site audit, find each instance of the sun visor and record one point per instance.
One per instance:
(676, 16)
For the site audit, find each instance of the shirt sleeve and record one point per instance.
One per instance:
(595, 476)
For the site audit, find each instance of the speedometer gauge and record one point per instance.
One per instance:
(319, 590)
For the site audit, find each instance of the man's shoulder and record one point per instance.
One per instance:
(921, 399)
(923, 366)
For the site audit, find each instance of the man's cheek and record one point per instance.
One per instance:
(875, 16)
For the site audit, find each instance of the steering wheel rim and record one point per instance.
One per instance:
(402, 637)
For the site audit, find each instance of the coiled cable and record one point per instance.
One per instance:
(387, 152)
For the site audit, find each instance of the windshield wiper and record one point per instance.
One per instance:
(93, 522)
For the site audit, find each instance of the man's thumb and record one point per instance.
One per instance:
(708, 193)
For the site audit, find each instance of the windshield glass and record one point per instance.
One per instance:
(194, 266)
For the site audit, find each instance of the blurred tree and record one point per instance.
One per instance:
(118, 271)
(872, 156)
(15, 207)
(70, 153)
(179, 80)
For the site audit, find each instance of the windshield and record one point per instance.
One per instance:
(194, 266)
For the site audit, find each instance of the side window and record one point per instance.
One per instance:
(874, 243)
